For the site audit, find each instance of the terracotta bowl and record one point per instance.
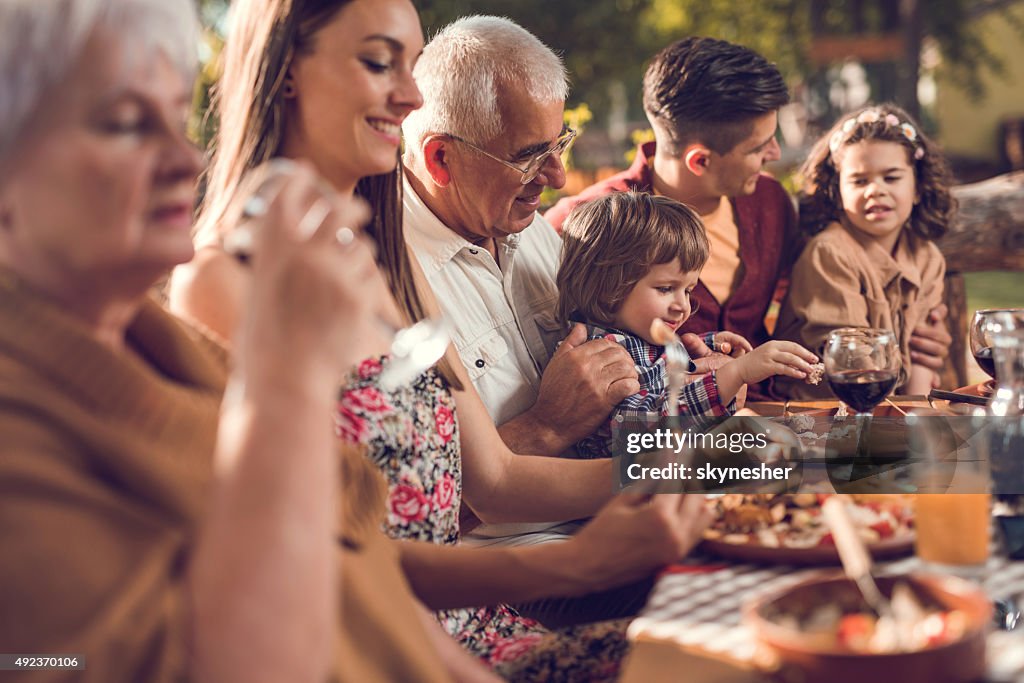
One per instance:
(799, 658)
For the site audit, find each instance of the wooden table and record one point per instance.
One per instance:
(691, 630)
(692, 620)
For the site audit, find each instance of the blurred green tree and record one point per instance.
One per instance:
(786, 31)
(603, 42)
(606, 43)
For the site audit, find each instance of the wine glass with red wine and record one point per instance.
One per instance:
(985, 325)
(862, 366)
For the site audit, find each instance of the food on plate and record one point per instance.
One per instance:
(846, 625)
(794, 520)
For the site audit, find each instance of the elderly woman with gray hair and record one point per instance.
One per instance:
(152, 531)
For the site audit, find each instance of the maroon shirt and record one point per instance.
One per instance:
(769, 244)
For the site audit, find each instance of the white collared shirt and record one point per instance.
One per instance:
(502, 319)
(501, 312)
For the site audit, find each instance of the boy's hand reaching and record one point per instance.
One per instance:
(774, 358)
(769, 359)
(707, 360)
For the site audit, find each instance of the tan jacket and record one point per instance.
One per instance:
(842, 281)
(105, 466)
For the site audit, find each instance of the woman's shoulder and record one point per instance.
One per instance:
(209, 262)
(209, 290)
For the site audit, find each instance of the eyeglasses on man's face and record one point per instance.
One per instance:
(534, 164)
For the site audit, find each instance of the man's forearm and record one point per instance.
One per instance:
(527, 434)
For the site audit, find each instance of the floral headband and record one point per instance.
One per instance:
(871, 116)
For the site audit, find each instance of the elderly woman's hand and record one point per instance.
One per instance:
(317, 299)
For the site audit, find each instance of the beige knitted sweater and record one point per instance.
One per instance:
(105, 465)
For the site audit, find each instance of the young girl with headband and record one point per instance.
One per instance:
(876, 197)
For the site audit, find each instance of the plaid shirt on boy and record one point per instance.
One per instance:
(697, 399)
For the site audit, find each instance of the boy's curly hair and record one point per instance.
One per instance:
(820, 201)
(610, 243)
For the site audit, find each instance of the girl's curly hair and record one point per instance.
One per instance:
(820, 201)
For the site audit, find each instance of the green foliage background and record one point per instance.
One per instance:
(605, 41)
(610, 40)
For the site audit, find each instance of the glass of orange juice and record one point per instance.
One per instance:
(952, 529)
(952, 511)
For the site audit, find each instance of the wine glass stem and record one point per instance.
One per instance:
(862, 462)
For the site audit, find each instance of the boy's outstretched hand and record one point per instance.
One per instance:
(768, 359)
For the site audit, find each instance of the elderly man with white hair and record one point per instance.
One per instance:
(480, 151)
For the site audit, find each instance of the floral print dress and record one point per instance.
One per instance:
(412, 435)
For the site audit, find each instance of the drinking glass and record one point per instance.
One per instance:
(986, 324)
(1004, 418)
(952, 507)
(862, 366)
(952, 530)
(952, 502)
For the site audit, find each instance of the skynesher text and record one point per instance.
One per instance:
(708, 472)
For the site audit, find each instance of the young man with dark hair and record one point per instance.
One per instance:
(714, 107)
